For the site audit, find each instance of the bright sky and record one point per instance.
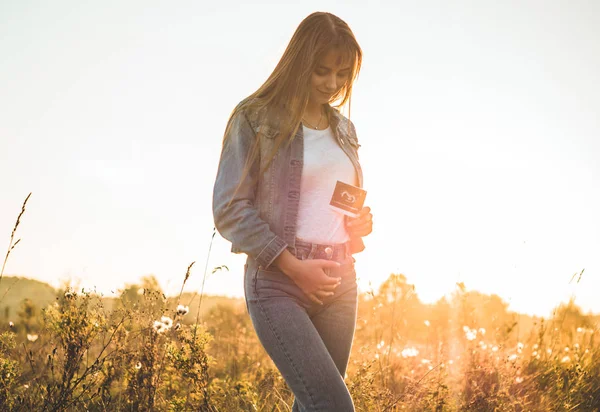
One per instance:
(479, 125)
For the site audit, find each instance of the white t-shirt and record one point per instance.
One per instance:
(324, 164)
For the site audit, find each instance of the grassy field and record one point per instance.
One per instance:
(71, 350)
(467, 353)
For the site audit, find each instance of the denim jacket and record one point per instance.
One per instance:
(261, 218)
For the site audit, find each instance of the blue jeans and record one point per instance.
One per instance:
(309, 343)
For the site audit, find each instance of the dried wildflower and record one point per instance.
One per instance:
(167, 321)
(494, 348)
(32, 338)
(158, 326)
(427, 323)
(519, 379)
(482, 331)
(565, 359)
(409, 352)
(471, 334)
(69, 294)
(182, 310)
(512, 357)
(138, 365)
(11, 325)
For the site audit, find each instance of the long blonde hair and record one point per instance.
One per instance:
(286, 90)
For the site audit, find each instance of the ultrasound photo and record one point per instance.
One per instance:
(348, 199)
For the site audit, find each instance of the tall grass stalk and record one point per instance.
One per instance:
(12, 245)
(212, 238)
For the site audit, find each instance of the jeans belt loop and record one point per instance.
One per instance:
(313, 249)
(329, 252)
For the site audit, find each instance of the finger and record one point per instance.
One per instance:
(330, 287)
(365, 227)
(327, 264)
(314, 298)
(352, 221)
(322, 294)
(361, 233)
(364, 211)
(360, 220)
(331, 280)
(362, 225)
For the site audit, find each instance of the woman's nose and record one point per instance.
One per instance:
(332, 82)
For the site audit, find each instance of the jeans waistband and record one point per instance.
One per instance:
(334, 251)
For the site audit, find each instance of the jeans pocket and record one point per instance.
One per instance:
(303, 252)
(346, 270)
(269, 278)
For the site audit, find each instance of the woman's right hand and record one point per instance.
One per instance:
(310, 275)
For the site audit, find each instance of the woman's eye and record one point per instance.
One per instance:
(325, 73)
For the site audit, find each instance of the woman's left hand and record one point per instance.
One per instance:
(361, 225)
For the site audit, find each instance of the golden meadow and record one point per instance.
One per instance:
(75, 350)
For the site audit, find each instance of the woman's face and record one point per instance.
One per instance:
(330, 75)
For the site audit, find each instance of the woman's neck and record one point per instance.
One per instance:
(313, 110)
(315, 117)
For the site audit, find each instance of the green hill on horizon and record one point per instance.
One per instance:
(14, 290)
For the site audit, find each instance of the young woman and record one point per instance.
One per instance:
(284, 149)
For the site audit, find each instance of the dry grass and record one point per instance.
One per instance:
(147, 353)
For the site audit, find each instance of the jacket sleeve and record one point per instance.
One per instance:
(235, 212)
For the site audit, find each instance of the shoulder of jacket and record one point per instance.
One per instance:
(344, 124)
(257, 117)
